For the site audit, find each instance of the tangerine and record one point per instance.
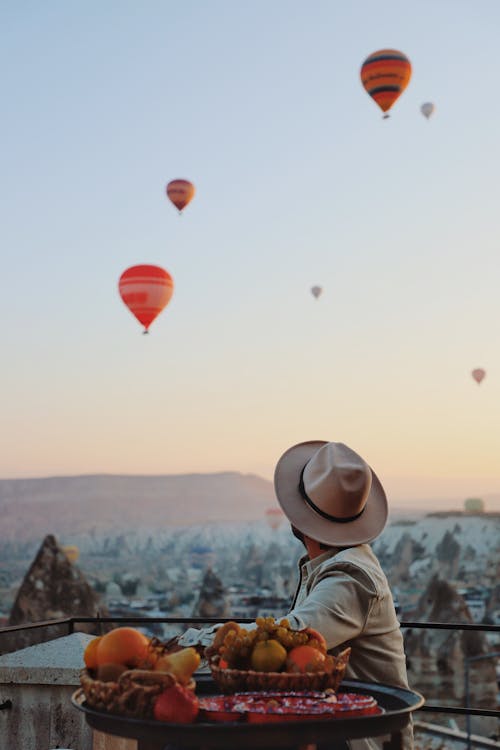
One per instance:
(268, 656)
(126, 646)
(305, 659)
(90, 653)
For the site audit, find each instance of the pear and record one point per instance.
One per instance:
(181, 664)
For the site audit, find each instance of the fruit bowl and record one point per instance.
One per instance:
(133, 694)
(249, 680)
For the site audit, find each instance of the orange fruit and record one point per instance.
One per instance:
(268, 656)
(90, 653)
(305, 659)
(126, 646)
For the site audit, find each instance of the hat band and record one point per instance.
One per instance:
(322, 513)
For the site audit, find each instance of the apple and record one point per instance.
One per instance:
(177, 704)
(305, 659)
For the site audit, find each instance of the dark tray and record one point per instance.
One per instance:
(397, 704)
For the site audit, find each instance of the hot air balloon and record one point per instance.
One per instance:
(180, 192)
(72, 552)
(316, 291)
(385, 75)
(274, 517)
(478, 374)
(427, 109)
(146, 290)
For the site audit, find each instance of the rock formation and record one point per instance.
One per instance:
(436, 659)
(212, 601)
(52, 588)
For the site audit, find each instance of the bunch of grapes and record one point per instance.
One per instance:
(234, 644)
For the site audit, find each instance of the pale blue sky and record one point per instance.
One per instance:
(299, 182)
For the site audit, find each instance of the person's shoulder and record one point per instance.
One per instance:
(359, 553)
(360, 563)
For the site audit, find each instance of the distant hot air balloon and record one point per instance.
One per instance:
(478, 374)
(385, 75)
(180, 192)
(72, 552)
(274, 517)
(146, 290)
(427, 109)
(316, 291)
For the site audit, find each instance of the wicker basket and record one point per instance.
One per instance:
(239, 680)
(133, 694)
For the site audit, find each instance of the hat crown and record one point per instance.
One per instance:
(337, 480)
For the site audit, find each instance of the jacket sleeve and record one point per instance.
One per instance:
(337, 605)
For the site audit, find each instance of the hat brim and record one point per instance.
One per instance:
(286, 484)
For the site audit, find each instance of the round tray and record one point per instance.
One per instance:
(397, 704)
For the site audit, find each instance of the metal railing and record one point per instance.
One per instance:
(467, 711)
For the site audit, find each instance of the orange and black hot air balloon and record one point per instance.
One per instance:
(180, 192)
(146, 290)
(385, 75)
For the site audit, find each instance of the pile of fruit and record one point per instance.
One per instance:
(114, 654)
(271, 647)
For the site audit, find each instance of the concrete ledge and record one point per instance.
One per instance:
(56, 662)
(39, 681)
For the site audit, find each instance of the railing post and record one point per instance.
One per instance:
(467, 716)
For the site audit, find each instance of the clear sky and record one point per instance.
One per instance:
(299, 182)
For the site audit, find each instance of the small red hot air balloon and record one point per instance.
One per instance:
(146, 290)
(274, 517)
(180, 192)
(478, 374)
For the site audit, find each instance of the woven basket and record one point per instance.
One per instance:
(239, 680)
(133, 694)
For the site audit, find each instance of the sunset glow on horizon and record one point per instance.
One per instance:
(299, 182)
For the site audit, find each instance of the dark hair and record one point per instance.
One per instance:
(299, 535)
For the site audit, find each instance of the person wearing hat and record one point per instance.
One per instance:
(336, 505)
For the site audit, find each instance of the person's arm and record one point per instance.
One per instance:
(205, 636)
(337, 606)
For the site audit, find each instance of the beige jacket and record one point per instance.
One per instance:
(345, 595)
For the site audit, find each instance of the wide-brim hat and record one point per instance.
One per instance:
(329, 493)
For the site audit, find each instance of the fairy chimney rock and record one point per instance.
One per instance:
(212, 601)
(436, 658)
(53, 588)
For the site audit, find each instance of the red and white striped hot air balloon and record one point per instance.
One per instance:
(180, 192)
(146, 290)
(478, 374)
(274, 517)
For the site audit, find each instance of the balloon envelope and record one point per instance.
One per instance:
(72, 552)
(385, 74)
(427, 109)
(274, 517)
(478, 374)
(146, 290)
(180, 192)
(316, 291)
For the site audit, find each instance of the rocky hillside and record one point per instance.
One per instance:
(455, 546)
(436, 659)
(73, 506)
